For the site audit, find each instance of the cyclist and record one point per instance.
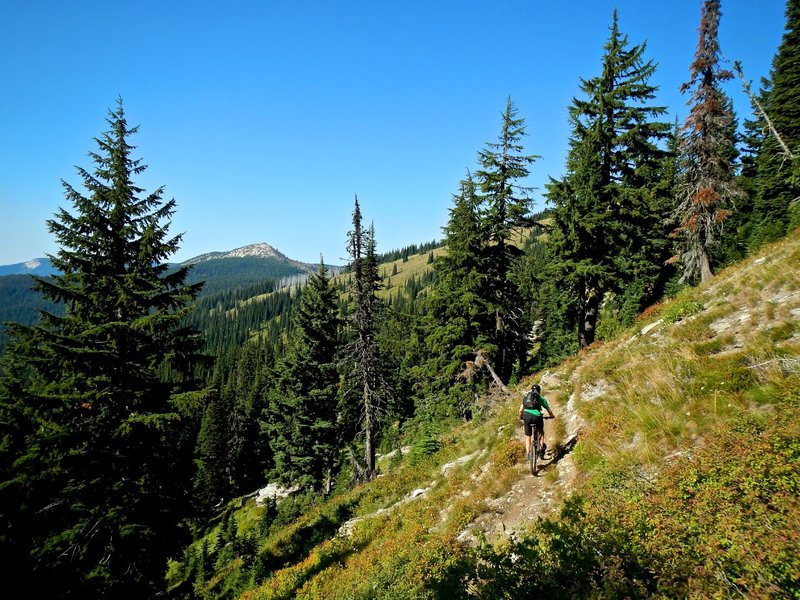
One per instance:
(530, 411)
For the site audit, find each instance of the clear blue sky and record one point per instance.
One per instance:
(263, 119)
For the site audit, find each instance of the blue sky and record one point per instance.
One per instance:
(264, 119)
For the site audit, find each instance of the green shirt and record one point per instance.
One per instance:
(536, 412)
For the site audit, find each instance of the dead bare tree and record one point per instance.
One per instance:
(472, 367)
(785, 150)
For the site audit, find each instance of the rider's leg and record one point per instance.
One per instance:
(540, 426)
(528, 431)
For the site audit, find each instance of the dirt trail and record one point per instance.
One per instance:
(531, 496)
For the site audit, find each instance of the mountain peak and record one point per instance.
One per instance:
(259, 250)
(35, 266)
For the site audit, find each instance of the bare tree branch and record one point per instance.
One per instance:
(480, 362)
(787, 153)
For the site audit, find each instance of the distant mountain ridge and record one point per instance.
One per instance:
(242, 267)
(260, 250)
(220, 272)
(35, 266)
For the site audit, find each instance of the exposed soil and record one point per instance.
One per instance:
(532, 497)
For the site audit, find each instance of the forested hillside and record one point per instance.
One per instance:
(226, 280)
(655, 299)
(673, 471)
(19, 302)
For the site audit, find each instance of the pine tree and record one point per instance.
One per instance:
(506, 205)
(304, 435)
(365, 384)
(249, 452)
(101, 475)
(212, 484)
(458, 316)
(607, 227)
(706, 146)
(777, 202)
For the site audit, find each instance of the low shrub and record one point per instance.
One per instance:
(680, 309)
(507, 454)
(724, 523)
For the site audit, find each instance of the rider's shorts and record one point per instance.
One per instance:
(532, 421)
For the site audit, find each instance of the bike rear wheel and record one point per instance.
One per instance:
(534, 455)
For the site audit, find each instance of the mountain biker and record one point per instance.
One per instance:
(530, 411)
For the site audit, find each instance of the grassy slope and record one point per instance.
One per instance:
(687, 473)
(393, 285)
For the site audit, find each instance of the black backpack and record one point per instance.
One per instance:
(531, 401)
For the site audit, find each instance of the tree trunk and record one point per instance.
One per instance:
(499, 336)
(369, 449)
(590, 305)
(480, 361)
(705, 264)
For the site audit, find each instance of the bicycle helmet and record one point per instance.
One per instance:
(536, 389)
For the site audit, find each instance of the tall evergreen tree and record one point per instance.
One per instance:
(249, 453)
(365, 384)
(777, 201)
(101, 482)
(458, 317)
(707, 151)
(607, 229)
(551, 306)
(304, 435)
(212, 483)
(506, 204)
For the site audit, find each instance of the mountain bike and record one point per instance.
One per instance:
(534, 455)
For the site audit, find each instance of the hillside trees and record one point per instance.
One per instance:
(777, 178)
(99, 478)
(232, 453)
(505, 205)
(458, 316)
(365, 384)
(552, 311)
(249, 383)
(302, 415)
(212, 482)
(706, 146)
(607, 230)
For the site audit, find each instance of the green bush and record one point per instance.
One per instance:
(679, 310)
(424, 448)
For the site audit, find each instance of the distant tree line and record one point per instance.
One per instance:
(20, 303)
(406, 251)
(228, 274)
